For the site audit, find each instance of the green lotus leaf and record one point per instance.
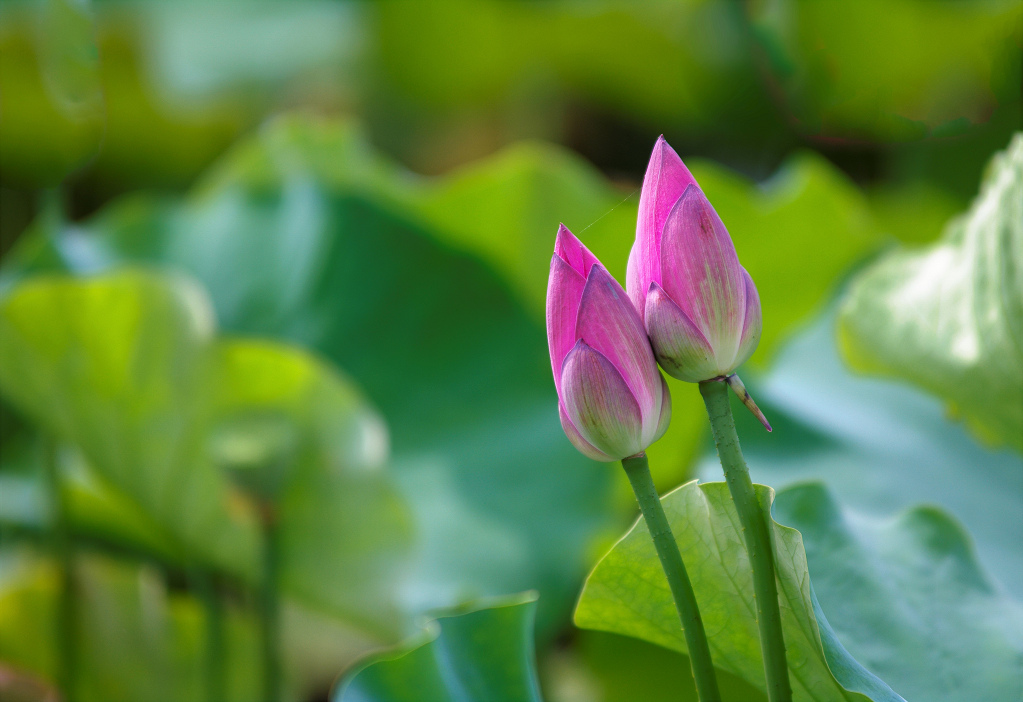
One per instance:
(907, 597)
(128, 369)
(627, 594)
(949, 317)
(481, 651)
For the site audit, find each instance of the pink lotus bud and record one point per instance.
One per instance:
(613, 400)
(700, 307)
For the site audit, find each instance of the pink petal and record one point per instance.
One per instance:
(680, 347)
(665, 419)
(572, 251)
(600, 404)
(701, 273)
(609, 323)
(665, 180)
(564, 292)
(751, 325)
(582, 445)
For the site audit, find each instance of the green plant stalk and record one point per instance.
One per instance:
(638, 470)
(213, 608)
(66, 630)
(755, 534)
(269, 606)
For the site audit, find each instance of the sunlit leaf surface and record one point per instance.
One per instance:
(949, 317)
(128, 369)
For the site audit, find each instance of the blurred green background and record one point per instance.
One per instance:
(290, 258)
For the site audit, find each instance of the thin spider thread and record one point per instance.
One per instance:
(627, 197)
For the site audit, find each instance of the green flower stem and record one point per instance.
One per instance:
(758, 541)
(638, 470)
(67, 598)
(269, 605)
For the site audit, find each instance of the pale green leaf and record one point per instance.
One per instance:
(627, 593)
(949, 317)
(128, 369)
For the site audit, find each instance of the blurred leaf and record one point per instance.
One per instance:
(127, 368)
(482, 652)
(915, 212)
(881, 446)
(136, 642)
(152, 140)
(114, 367)
(653, 61)
(907, 597)
(97, 513)
(627, 594)
(299, 234)
(796, 235)
(211, 49)
(950, 317)
(49, 75)
(926, 69)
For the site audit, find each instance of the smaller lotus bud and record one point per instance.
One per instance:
(612, 399)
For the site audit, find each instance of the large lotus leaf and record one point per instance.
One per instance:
(627, 594)
(294, 237)
(482, 651)
(925, 69)
(49, 74)
(881, 446)
(950, 317)
(127, 368)
(907, 597)
(115, 367)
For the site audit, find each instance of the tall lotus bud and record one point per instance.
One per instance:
(612, 399)
(699, 306)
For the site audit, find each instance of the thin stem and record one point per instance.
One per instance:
(213, 608)
(638, 470)
(269, 607)
(758, 541)
(66, 630)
